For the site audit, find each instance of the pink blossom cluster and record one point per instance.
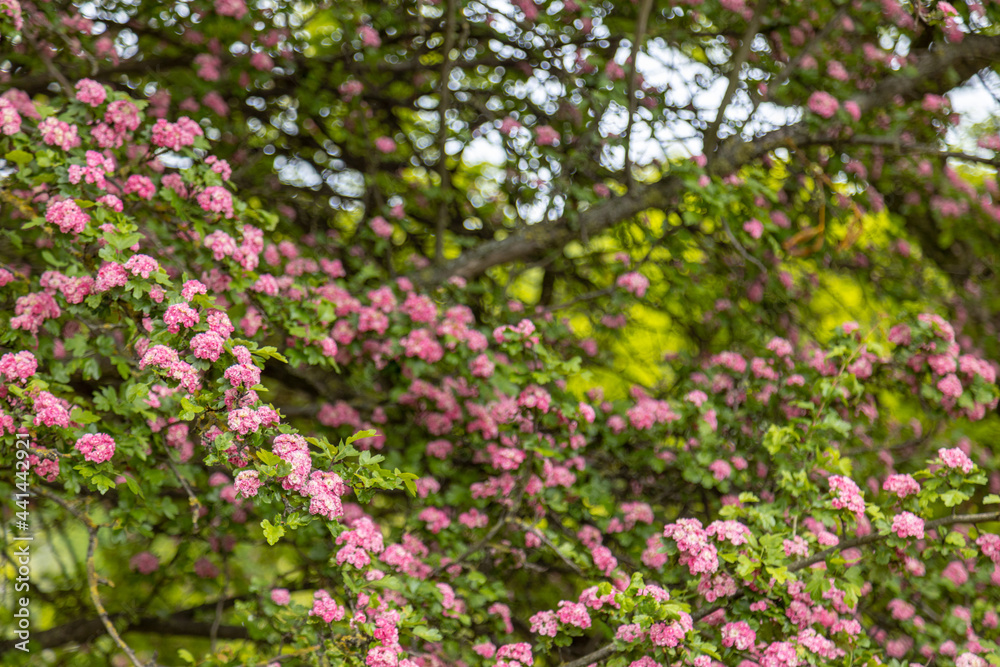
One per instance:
(67, 215)
(250, 420)
(780, 654)
(180, 315)
(216, 199)
(848, 494)
(823, 104)
(90, 92)
(731, 530)
(546, 135)
(247, 483)
(515, 655)
(326, 607)
(167, 359)
(175, 136)
(17, 366)
(144, 562)
(907, 524)
(59, 133)
(990, 546)
(142, 186)
(956, 459)
(97, 167)
(142, 265)
(96, 447)
(74, 290)
(633, 282)
(819, 645)
(10, 120)
(324, 490)
(738, 635)
(573, 614)
(901, 485)
(696, 552)
(109, 276)
(671, 634)
(51, 411)
(363, 539)
(31, 311)
(715, 586)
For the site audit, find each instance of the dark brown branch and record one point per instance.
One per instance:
(712, 134)
(938, 71)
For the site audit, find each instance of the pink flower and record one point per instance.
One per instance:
(633, 282)
(738, 635)
(545, 623)
(901, 485)
(142, 265)
(853, 110)
(234, 8)
(247, 483)
(546, 136)
(144, 563)
(10, 119)
(823, 104)
(381, 227)
(67, 215)
(180, 315)
(216, 199)
(907, 524)
(175, 136)
(280, 596)
(90, 92)
(96, 447)
(848, 494)
(990, 546)
(754, 227)
(956, 458)
(140, 185)
(385, 145)
(369, 37)
(950, 386)
(57, 133)
(18, 366)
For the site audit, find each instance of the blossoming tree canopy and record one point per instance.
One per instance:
(451, 332)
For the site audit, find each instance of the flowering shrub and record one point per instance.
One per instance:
(286, 425)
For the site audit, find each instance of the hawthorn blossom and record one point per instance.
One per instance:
(67, 215)
(848, 494)
(907, 524)
(823, 104)
(955, 458)
(96, 447)
(901, 485)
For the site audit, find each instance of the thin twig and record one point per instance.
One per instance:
(640, 34)
(444, 99)
(740, 249)
(712, 133)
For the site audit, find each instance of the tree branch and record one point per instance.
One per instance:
(640, 34)
(963, 60)
(712, 133)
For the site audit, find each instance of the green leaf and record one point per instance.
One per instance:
(992, 499)
(185, 655)
(133, 486)
(271, 532)
(103, 483)
(427, 634)
(19, 157)
(81, 416)
(953, 497)
(268, 458)
(361, 434)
